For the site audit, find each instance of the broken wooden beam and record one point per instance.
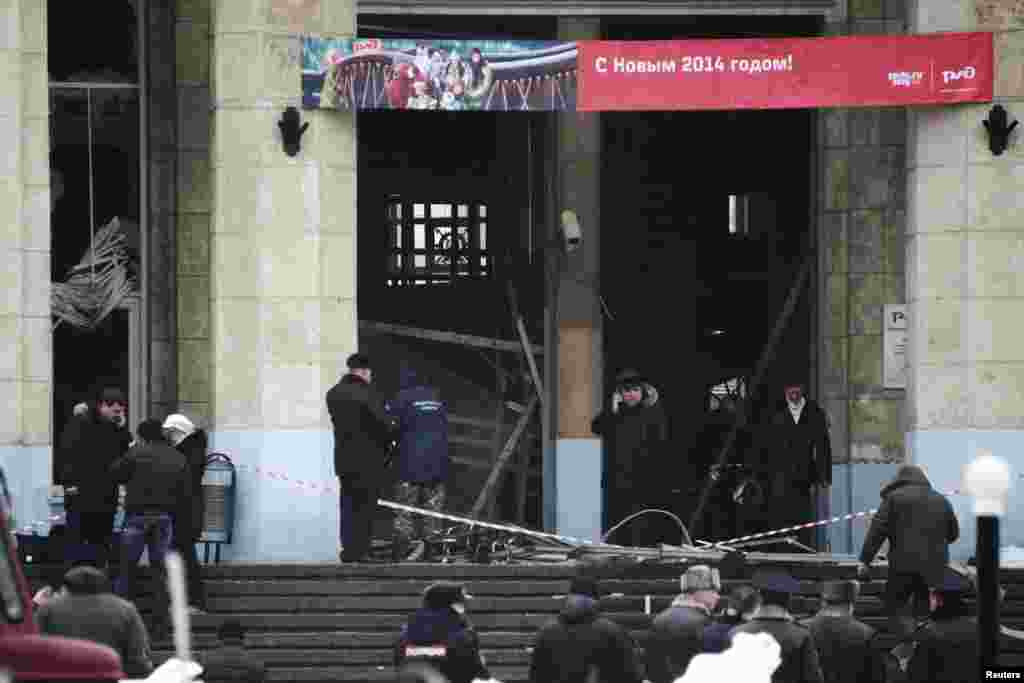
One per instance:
(490, 486)
(445, 337)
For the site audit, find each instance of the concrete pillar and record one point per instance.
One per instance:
(25, 354)
(282, 277)
(580, 357)
(965, 268)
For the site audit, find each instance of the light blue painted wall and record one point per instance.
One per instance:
(27, 469)
(578, 486)
(855, 488)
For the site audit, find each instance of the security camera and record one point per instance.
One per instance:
(571, 230)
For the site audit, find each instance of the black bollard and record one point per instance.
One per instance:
(988, 591)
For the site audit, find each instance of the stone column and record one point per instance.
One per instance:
(283, 312)
(965, 268)
(580, 361)
(25, 328)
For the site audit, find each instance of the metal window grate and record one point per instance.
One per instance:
(433, 242)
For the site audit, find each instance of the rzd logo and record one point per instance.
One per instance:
(906, 79)
(967, 73)
(367, 44)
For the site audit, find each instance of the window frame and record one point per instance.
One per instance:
(416, 234)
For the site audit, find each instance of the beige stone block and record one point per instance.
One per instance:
(33, 25)
(199, 412)
(936, 335)
(339, 17)
(940, 137)
(941, 399)
(935, 17)
(236, 16)
(995, 201)
(293, 396)
(247, 138)
(337, 200)
(194, 365)
(10, 25)
(282, 60)
(35, 151)
(10, 157)
(879, 422)
(867, 296)
(10, 212)
(11, 283)
(35, 218)
(10, 91)
(192, 51)
(835, 366)
(291, 267)
(836, 305)
(938, 199)
(338, 333)
(238, 68)
(290, 330)
(36, 413)
(198, 11)
(36, 349)
(10, 419)
(289, 202)
(995, 264)
(34, 85)
(194, 307)
(1009, 56)
(865, 363)
(239, 194)
(331, 138)
(996, 15)
(998, 393)
(938, 265)
(995, 328)
(195, 187)
(300, 17)
(338, 266)
(238, 394)
(237, 331)
(237, 267)
(193, 244)
(36, 283)
(10, 350)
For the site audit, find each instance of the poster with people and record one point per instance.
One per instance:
(439, 75)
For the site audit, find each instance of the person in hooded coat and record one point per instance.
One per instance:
(846, 645)
(440, 635)
(581, 646)
(634, 429)
(192, 443)
(919, 523)
(423, 460)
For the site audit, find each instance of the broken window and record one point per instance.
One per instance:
(436, 242)
(727, 395)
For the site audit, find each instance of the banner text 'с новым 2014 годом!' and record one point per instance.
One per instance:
(797, 73)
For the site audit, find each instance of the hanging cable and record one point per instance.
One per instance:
(92, 198)
(682, 527)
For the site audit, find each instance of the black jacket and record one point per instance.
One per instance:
(423, 432)
(362, 430)
(232, 664)
(445, 639)
(918, 522)
(845, 649)
(89, 446)
(156, 477)
(580, 641)
(947, 649)
(633, 440)
(189, 519)
(677, 635)
(799, 654)
(800, 451)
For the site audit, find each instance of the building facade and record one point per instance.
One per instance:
(244, 301)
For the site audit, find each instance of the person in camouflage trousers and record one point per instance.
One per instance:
(422, 462)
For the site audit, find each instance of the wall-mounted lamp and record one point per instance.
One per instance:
(291, 131)
(999, 128)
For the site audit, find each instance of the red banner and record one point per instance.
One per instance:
(790, 73)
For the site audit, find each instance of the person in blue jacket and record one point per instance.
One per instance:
(421, 464)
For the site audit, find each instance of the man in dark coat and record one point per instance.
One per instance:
(157, 482)
(677, 634)
(192, 443)
(440, 635)
(92, 441)
(946, 646)
(796, 462)
(735, 609)
(581, 646)
(230, 662)
(845, 644)
(363, 432)
(799, 654)
(423, 460)
(634, 430)
(919, 523)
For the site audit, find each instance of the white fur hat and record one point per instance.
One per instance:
(179, 423)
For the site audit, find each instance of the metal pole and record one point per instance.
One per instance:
(988, 591)
(92, 194)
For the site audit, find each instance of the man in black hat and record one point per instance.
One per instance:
(363, 432)
(230, 660)
(634, 430)
(581, 646)
(947, 645)
(799, 654)
(844, 643)
(440, 635)
(91, 442)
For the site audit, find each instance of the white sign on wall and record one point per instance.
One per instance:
(894, 344)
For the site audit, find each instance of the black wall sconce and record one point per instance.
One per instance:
(999, 128)
(291, 131)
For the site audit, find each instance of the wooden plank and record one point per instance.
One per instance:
(444, 336)
(492, 480)
(477, 464)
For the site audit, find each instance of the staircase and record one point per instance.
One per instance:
(338, 623)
